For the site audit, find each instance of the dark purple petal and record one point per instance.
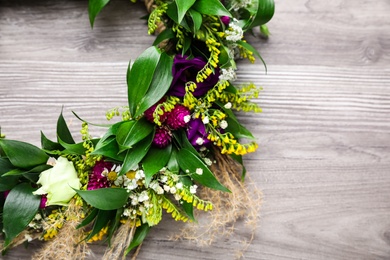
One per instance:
(196, 129)
(184, 70)
(225, 20)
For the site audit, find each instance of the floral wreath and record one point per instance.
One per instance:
(177, 147)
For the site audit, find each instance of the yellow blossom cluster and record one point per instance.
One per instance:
(53, 223)
(100, 235)
(230, 145)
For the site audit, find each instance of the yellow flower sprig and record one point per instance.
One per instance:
(155, 17)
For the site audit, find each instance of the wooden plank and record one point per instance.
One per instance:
(323, 162)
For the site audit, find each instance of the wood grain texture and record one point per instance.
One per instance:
(324, 134)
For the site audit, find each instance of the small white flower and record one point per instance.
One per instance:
(187, 171)
(126, 212)
(228, 105)
(177, 196)
(193, 189)
(208, 161)
(187, 118)
(164, 179)
(234, 32)
(140, 174)
(143, 196)
(179, 185)
(160, 190)
(167, 188)
(28, 237)
(199, 171)
(228, 74)
(199, 141)
(173, 190)
(205, 120)
(223, 124)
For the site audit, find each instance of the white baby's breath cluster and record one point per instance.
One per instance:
(234, 33)
(238, 4)
(228, 74)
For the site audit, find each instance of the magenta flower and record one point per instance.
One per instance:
(42, 205)
(162, 138)
(149, 112)
(196, 133)
(178, 117)
(225, 20)
(96, 178)
(185, 70)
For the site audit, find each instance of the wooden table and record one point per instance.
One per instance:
(324, 134)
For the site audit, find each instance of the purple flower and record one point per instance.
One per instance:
(196, 133)
(177, 118)
(96, 179)
(162, 138)
(184, 70)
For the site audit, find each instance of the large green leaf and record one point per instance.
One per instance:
(155, 160)
(5, 165)
(264, 12)
(182, 7)
(36, 169)
(136, 154)
(140, 76)
(49, 145)
(8, 182)
(105, 198)
(164, 35)
(20, 208)
(109, 148)
(23, 155)
(190, 163)
(63, 132)
(102, 219)
(92, 215)
(140, 233)
(160, 84)
(94, 8)
(131, 132)
(196, 19)
(211, 7)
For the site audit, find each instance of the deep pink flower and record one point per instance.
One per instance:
(177, 117)
(42, 205)
(196, 133)
(96, 179)
(162, 138)
(184, 70)
(225, 20)
(149, 112)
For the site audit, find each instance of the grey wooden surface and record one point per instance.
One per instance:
(324, 134)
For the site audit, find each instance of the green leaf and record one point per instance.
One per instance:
(74, 148)
(36, 169)
(140, 233)
(140, 76)
(20, 208)
(238, 158)
(8, 182)
(188, 208)
(49, 145)
(182, 7)
(94, 8)
(23, 155)
(109, 148)
(250, 48)
(105, 198)
(160, 84)
(172, 12)
(63, 132)
(5, 166)
(136, 154)
(89, 218)
(211, 7)
(102, 219)
(264, 12)
(114, 225)
(155, 160)
(132, 132)
(172, 164)
(190, 162)
(196, 19)
(164, 35)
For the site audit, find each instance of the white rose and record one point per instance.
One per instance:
(57, 183)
